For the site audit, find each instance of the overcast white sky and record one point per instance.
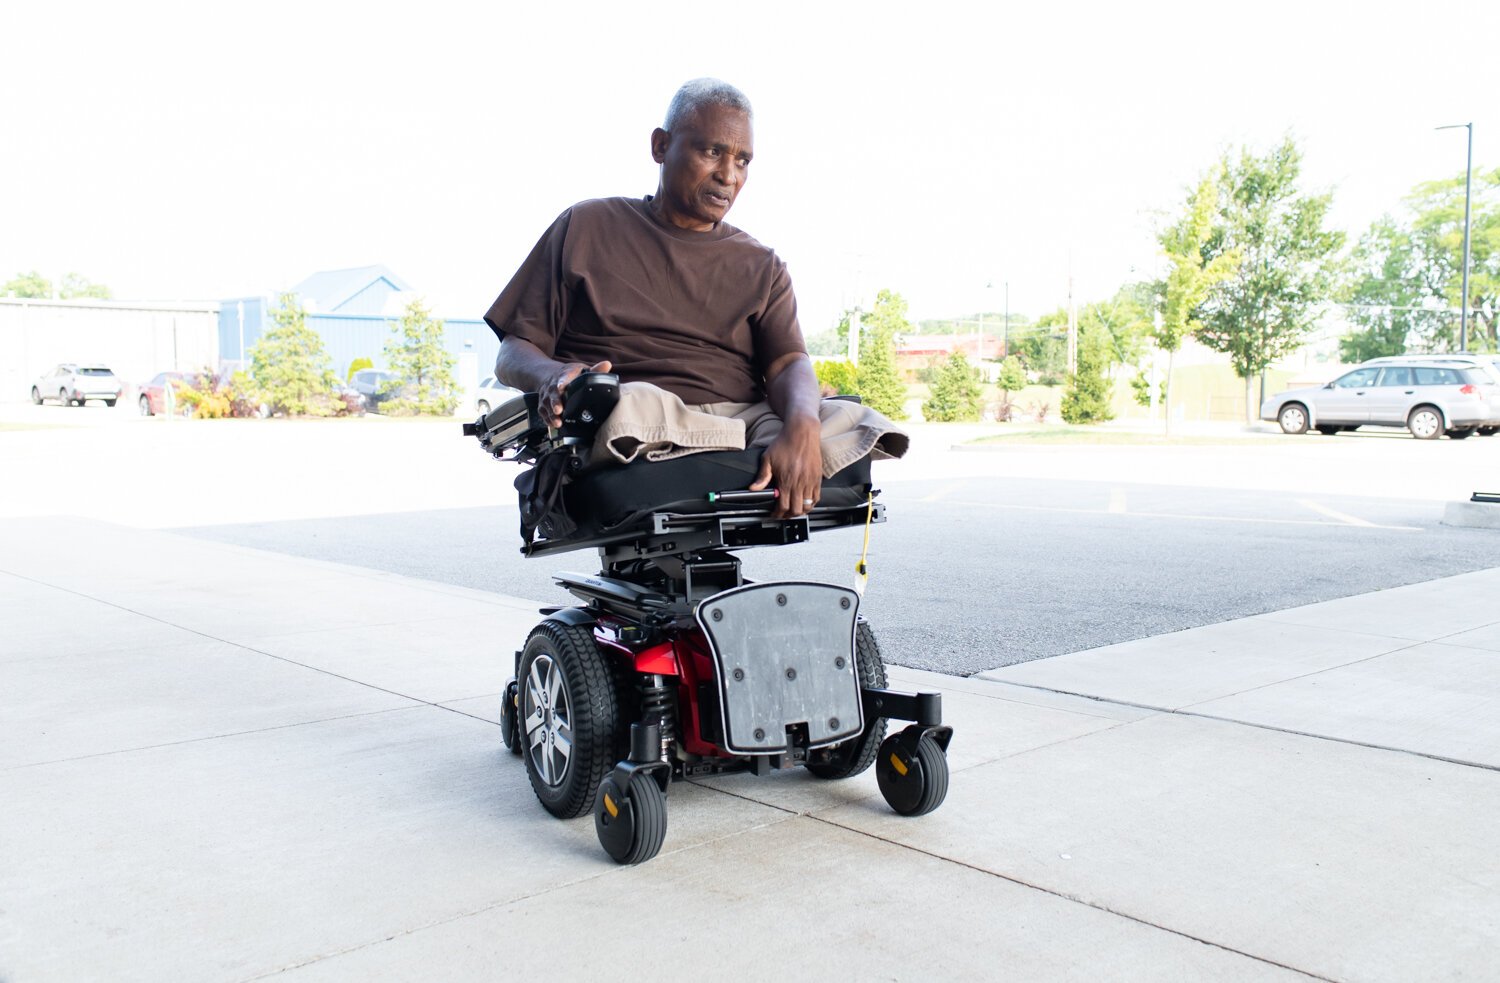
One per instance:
(180, 150)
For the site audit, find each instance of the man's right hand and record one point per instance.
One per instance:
(550, 393)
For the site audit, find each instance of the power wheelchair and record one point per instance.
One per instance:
(675, 666)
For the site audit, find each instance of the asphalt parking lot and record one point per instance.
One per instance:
(992, 556)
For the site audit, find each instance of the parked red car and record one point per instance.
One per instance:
(153, 399)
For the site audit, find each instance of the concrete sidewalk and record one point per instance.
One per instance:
(221, 764)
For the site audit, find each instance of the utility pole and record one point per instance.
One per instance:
(1463, 310)
(1072, 323)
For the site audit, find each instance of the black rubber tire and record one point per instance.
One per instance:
(1488, 431)
(145, 404)
(1460, 434)
(923, 787)
(510, 724)
(484, 408)
(644, 808)
(62, 398)
(1293, 418)
(36, 395)
(856, 754)
(109, 402)
(1431, 425)
(592, 716)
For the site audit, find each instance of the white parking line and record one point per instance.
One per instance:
(1348, 520)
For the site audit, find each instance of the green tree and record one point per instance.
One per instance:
(417, 354)
(30, 285)
(1192, 276)
(1123, 322)
(837, 378)
(879, 383)
(1012, 375)
(289, 366)
(1044, 346)
(1263, 311)
(956, 395)
(1406, 274)
(1086, 398)
(75, 286)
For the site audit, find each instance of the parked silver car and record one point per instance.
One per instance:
(1424, 395)
(493, 393)
(71, 383)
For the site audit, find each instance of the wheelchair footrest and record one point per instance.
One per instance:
(784, 658)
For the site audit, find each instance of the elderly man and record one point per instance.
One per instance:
(697, 318)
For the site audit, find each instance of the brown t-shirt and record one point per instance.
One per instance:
(701, 314)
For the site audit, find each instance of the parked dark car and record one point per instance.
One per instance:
(376, 386)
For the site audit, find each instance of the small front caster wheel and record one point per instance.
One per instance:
(913, 777)
(631, 821)
(510, 728)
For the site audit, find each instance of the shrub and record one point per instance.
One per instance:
(837, 378)
(289, 365)
(1088, 394)
(209, 396)
(956, 395)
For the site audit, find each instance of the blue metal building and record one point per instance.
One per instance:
(353, 311)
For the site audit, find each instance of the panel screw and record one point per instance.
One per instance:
(791, 674)
(844, 603)
(781, 600)
(833, 723)
(839, 662)
(760, 735)
(739, 674)
(718, 614)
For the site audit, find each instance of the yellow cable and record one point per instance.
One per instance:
(862, 569)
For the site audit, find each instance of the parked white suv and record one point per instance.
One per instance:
(1429, 396)
(71, 383)
(493, 393)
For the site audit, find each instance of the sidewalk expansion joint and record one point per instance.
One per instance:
(209, 737)
(1483, 766)
(251, 648)
(611, 871)
(1073, 899)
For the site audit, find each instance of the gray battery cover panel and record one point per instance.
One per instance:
(784, 653)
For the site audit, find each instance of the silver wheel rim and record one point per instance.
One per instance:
(1424, 424)
(548, 721)
(1293, 419)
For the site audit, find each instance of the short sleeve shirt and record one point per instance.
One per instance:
(701, 314)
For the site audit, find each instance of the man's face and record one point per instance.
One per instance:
(704, 162)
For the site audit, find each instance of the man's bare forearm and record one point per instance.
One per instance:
(793, 392)
(526, 367)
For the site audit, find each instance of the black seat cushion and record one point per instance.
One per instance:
(603, 500)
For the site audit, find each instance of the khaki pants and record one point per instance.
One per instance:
(651, 423)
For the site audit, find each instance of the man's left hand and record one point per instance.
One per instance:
(794, 463)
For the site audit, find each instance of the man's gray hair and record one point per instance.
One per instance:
(704, 92)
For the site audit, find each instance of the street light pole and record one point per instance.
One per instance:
(1463, 311)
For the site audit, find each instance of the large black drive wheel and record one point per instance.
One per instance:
(569, 713)
(858, 753)
(913, 784)
(510, 725)
(631, 821)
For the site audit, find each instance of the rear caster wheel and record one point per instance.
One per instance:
(913, 775)
(631, 821)
(510, 726)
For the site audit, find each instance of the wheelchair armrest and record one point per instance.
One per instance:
(516, 426)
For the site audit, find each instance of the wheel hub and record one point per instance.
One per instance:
(548, 721)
